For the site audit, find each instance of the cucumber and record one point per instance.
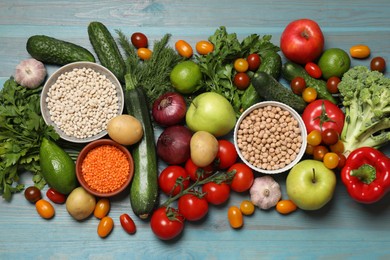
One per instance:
(144, 186)
(271, 89)
(271, 63)
(106, 49)
(290, 70)
(57, 52)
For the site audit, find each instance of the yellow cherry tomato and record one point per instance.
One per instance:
(204, 47)
(247, 208)
(102, 208)
(105, 226)
(360, 51)
(337, 147)
(44, 209)
(285, 206)
(314, 138)
(241, 65)
(331, 160)
(183, 48)
(144, 53)
(235, 217)
(309, 94)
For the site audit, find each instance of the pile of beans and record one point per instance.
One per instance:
(81, 102)
(269, 138)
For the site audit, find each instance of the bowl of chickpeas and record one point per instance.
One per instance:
(79, 99)
(270, 137)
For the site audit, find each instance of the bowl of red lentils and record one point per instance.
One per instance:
(104, 168)
(270, 137)
(79, 99)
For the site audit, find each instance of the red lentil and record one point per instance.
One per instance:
(105, 168)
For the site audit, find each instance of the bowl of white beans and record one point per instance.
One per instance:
(79, 99)
(270, 137)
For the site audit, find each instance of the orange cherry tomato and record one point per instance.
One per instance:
(183, 48)
(144, 53)
(319, 152)
(105, 226)
(337, 147)
(102, 208)
(331, 160)
(204, 47)
(241, 65)
(309, 149)
(44, 209)
(285, 206)
(309, 94)
(247, 208)
(359, 51)
(235, 217)
(314, 138)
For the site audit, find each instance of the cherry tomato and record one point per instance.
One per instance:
(102, 208)
(313, 70)
(322, 114)
(243, 179)
(254, 61)
(55, 196)
(241, 80)
(285, 206)
(204, 47)
(332, 84)
(309, 149)
(342, 160)
(235, 217)
(139, 40)
(166, 223)
(331, 160)
(32, 194)
(197, 173)
(127, 223)
(330, 136)
(192, 207)
(309, 94)
(216, 194)
(172, 178)
(44, 209)
(319, 152)
(337, 147)
(241, 65)
(378, 64)
(247, 207)
(359, 51)
(105, 226)
(183, 48)
(314, 138)
(298, 85)
(144, 53)
(227, 154)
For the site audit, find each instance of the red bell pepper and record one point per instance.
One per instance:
(366, 175)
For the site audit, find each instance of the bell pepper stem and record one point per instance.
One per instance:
(365, 173)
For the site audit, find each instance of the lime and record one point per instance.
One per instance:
(334, 62)
(57, 167)
(186, 76)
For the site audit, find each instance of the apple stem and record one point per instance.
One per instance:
(305, 34)
(314, 176)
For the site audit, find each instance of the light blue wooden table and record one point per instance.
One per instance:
(341, 230)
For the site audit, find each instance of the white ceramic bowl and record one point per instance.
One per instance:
(53, 79)
(303, 135)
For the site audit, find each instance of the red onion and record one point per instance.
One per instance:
(169, 109)
(173, 144)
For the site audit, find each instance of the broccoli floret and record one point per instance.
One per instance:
(366, 98)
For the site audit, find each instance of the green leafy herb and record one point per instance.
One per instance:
(217, 66)
(21, 130)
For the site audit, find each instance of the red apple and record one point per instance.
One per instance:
(302, 41)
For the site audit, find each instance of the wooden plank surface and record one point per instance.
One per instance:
(341, 230)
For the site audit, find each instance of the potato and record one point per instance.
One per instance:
(80, 204)
(204, 148)
(125, 129)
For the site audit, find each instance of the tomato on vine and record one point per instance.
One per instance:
(173, 179)
(197, 173)
(167, 223)
(193, 206)
(215, 193)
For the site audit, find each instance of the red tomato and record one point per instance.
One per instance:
(298, 85)
(170, 178)
(254, 61)
(330, 136)
(216, 194)
(243, 179)
(166, 223)
(139, 40)
(378, 64)
(323, 112)
(332, 84)
(313, 70)
(127, 223)
(192, 207)
(195, 172)
(241, 80)
(55, 196)
(227, 154)
(32, 194)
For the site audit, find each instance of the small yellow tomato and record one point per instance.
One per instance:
(102, 208)
(241, 65)
(331, 160)
(247, 208)
(44, 209)
(309, 94)
(359, 51)
(314, 138)
(204, 47)
(285, 206)
(105, 226)
(235, 217)
(144, 53)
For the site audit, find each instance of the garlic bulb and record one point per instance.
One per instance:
(30, 73)
(265, 192)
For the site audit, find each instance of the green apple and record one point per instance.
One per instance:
(310, 185)
(211, 112)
